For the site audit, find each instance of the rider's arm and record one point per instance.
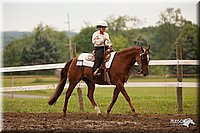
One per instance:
(97, 39)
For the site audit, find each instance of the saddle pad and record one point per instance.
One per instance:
(81, 61)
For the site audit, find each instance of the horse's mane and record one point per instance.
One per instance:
(129, 49)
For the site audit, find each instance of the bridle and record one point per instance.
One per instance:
(132, 67)
(143, 56)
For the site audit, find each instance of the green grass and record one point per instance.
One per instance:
(145, 101)
(161, 79)
(29, 80)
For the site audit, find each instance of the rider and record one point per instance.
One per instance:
(100, 39)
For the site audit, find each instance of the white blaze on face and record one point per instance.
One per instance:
(147, 57)
(147, 54)
(144, 50)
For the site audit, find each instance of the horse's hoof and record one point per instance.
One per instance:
(51, 102)
(97, 110)
(64, 114)
(108, 114)
(99, 114)
(134, 114)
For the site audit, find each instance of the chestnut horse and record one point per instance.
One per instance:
(119, 73)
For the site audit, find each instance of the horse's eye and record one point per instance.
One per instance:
(144, 57)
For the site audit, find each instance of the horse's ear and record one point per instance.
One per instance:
(148, 47)
(142, 49)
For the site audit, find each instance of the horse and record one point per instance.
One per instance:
(119, 73)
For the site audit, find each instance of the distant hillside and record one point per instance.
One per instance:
(71, 34)
(9, 36)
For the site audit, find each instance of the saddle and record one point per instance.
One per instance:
(106, 56)
(87, 59)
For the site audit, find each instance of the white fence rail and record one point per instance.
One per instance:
(33, 67)
(61, 65)
(129, 84)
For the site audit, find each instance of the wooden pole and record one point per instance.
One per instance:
(13, 81)
(72, 51)
(179, 77)
(80, 98)
(70, 41)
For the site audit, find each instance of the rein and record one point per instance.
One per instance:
(133, 66)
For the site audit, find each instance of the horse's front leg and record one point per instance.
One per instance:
(90, 95)
(120, 86)
(115, 96)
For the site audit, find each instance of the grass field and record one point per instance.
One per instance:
(29, 80)
(145, 101)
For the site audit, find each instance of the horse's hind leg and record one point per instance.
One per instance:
(115, 96)
(68, 94)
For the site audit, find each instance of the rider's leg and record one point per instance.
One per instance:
(99, 56)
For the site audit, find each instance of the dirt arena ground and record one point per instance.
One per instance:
(90, 122)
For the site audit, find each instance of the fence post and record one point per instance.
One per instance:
(79, 90)
(13, 81)
(72, 51)
(80, 98)
(179, 77)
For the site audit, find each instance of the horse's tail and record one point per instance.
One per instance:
(61, 84)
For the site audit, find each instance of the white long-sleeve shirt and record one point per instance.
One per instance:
(98, 39)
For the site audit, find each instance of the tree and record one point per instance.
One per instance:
(43, 50)
(83, 40)
(121, 30)
(171, 16)
(53, 44)
(13, 51)
(168, 29)
(189, 42)
(119, 42)
(123, 23)
(141, 41)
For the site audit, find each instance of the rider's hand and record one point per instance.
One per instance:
(106, 41)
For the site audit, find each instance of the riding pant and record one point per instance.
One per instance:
(99, 57)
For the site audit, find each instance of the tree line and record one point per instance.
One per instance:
(47, 45)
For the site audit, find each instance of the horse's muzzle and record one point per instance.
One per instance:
(144, 73)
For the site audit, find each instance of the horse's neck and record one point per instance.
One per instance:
(128, 58)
